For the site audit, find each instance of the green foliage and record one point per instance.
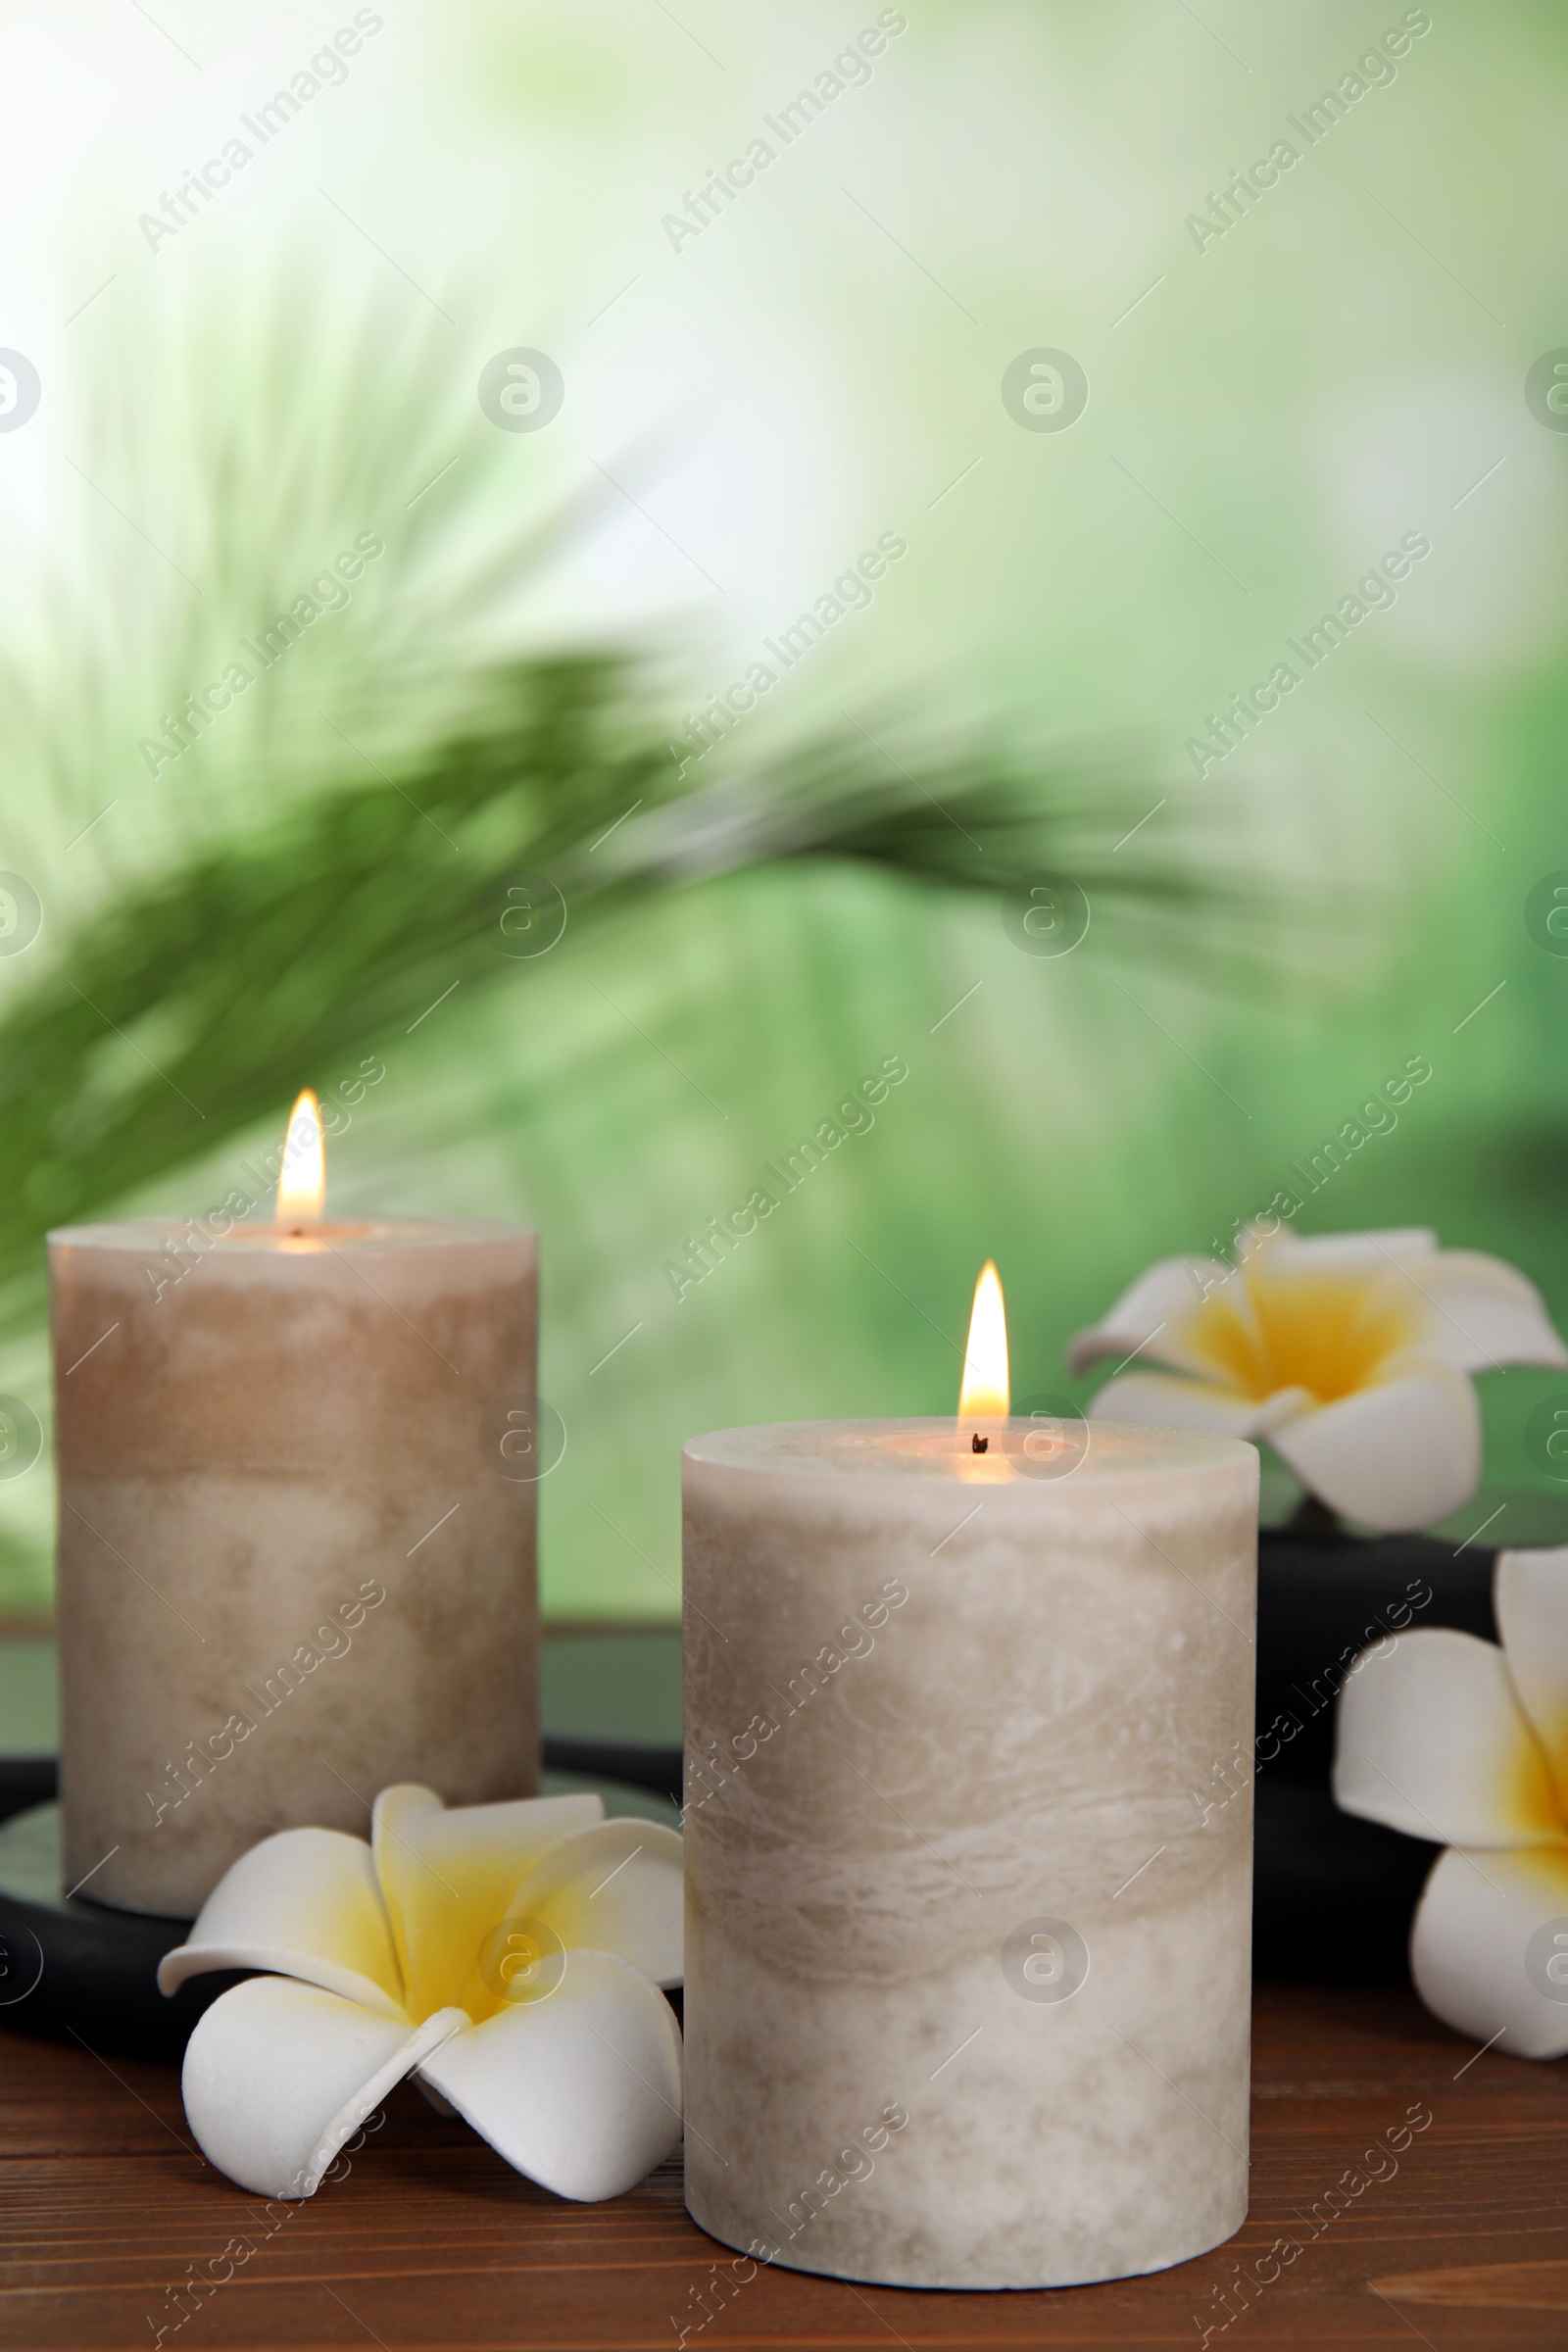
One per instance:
(197, 1001)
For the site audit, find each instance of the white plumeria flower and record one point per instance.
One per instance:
(508, 1956)
(1350, 1352)
(1449, 1737)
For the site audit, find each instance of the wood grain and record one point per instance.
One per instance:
(1492, 2285)
(430, 2244)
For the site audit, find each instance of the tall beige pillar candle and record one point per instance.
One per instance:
(297, 1555)
(967, 1948)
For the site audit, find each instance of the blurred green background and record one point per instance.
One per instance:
(747, 409)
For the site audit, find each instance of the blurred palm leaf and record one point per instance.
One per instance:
(191, 1007)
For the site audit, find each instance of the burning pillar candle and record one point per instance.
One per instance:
(297, 1469)
(968, 1842)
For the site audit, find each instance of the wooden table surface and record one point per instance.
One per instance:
(428, 2241)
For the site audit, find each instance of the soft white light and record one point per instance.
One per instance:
(984, 1394)
(302, 1179)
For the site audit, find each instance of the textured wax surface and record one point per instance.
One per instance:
(943, 1450)
(364, 1238)
(244, 1461)
(883, 1791)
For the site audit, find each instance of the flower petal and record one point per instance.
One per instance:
(614, 1888)
(1400, 1453)
(1488, 1948)
(1483, 1313)
(278, 2074)
(580, 2089)
(1152, 1318)
(446, 1873)
(1530, 1590)
(305, 1903)
(1432, 1740)
(1338, 1253)
(1168, 1403)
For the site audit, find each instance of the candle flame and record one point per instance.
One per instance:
(984, 1394)
(302, 1180)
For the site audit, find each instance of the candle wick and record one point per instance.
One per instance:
(979, 1442)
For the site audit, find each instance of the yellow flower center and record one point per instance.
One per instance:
(1328, 1334)
(1531, 1797)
